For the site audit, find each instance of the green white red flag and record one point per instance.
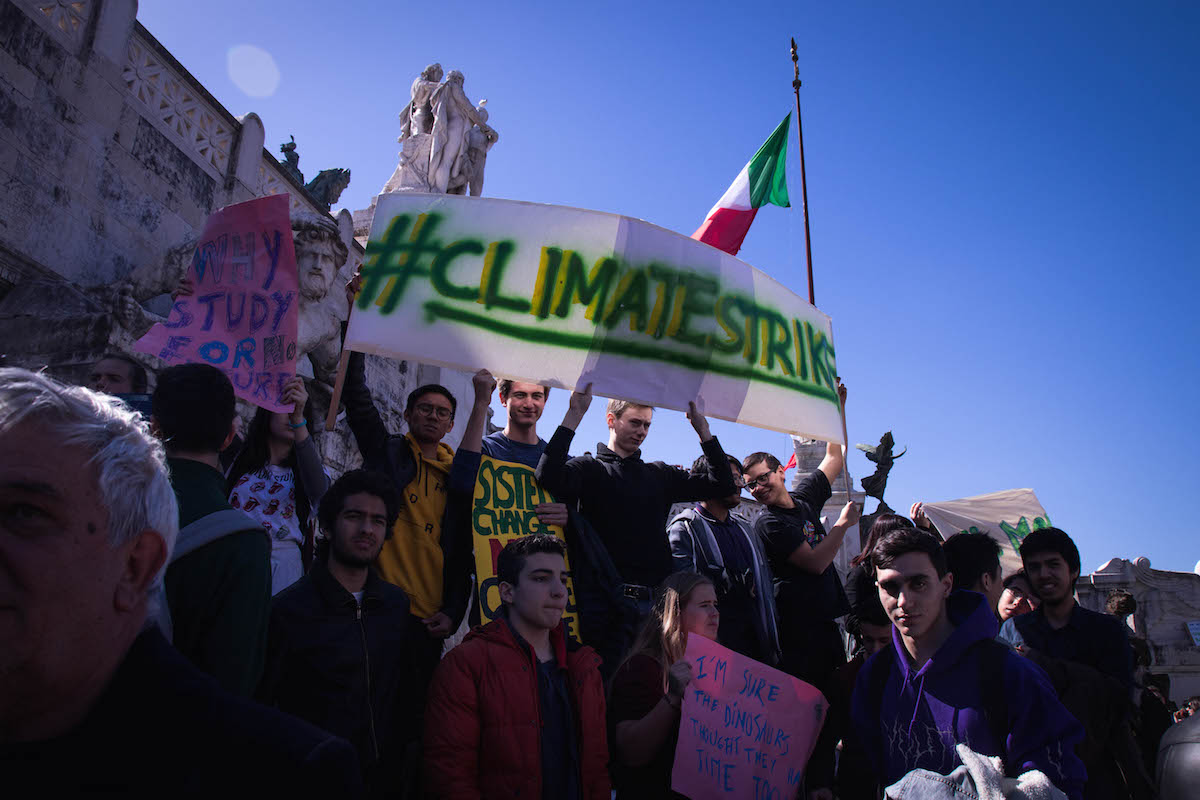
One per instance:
(760, 182)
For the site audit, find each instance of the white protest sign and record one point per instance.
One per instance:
(1006, 516)
(562, 296)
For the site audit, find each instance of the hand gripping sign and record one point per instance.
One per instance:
(242, 318)
(746, 730)
(562, 297)
(503, 508)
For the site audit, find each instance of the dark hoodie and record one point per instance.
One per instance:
(923, 714)
(628, 500)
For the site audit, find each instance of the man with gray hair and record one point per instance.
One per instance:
(93, 700)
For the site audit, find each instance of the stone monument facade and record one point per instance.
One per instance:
(1166, 603)
(112, 157)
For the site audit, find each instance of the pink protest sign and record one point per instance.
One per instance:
(746, 730)
(243, 314)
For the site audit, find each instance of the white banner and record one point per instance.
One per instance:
(563, 297)
(1006, 516)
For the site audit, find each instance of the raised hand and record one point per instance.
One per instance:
(484, 384)
(577, 406)
(850, 515)
(919, 518)
(699, 422)
(352, 288)
(295, 392)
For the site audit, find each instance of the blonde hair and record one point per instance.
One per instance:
(663, 636)
(619, 407)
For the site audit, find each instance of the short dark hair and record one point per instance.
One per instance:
(969, 556)
(505, 386)
(514, 555)
(1051, 540)
(416, 394)
(896, 543)
(358, 481)
(700, 465)
(1019, 575)
(757, 458)
(139, 381)
(193, 406)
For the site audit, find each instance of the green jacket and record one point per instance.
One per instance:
(219, 595)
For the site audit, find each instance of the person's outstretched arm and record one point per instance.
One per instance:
(717, 481)
(563, 480)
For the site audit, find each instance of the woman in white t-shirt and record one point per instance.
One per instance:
(278, 479)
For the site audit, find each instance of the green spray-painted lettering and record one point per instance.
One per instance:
(662, 303)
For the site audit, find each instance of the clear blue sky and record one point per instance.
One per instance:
(1003, 201)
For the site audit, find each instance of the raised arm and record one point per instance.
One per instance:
(561, 479)
(309, 471)
(835, 454)
(472, 439)
(365, 423)
(717, 481)
(816, 558)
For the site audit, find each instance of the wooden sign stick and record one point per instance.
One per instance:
(336, 399)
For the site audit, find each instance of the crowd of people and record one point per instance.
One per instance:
(184, 610)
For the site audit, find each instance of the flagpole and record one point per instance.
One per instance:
(812, 300)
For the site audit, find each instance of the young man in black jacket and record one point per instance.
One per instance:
(339, 651)
(627, 501)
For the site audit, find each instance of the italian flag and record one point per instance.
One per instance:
(760, 182)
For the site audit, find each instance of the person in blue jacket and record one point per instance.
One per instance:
(945, 680)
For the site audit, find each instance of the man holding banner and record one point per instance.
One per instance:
(626, 500)
(507, 502)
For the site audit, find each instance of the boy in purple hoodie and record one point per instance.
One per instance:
(945, 681)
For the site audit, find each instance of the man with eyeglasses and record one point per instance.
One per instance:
(708, 539)
(809, 593)
(435, 492)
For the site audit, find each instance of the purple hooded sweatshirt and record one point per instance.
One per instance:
(923, 714)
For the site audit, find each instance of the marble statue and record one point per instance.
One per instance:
(320, 254)
(417, 116)
(469, 174)
(445, 140)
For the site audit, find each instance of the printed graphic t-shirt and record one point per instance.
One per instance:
(269, 496)
(800, 595)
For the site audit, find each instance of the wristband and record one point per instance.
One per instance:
(298, 425)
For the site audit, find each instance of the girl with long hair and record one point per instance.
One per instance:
(278, 479)
(860, 580)
(647, 689)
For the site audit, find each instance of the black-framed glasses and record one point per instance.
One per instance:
(430, 410)
(761, 480)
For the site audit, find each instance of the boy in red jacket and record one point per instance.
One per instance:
(517, 710)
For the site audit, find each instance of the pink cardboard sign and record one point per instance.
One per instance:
(746, 731)
(242, 317)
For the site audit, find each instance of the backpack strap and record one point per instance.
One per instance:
(880, 670)
(992, 656)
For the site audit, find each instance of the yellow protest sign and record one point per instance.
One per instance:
(503, 509)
